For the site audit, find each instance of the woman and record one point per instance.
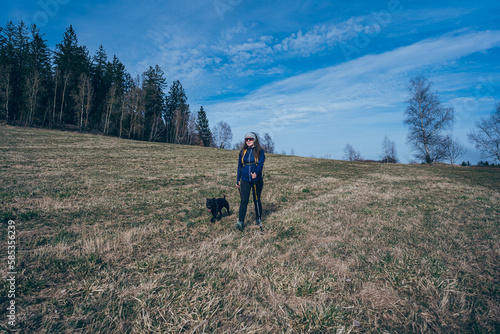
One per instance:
(249, 178)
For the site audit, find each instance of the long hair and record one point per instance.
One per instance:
(256, 145)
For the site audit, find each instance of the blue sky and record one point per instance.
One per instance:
(315, 75)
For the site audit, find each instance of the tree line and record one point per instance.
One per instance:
(67, 88)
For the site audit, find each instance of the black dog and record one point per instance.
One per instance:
(215, 206)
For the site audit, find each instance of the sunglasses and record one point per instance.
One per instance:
(249, 139)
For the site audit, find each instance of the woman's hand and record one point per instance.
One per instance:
(238, 184)
(254, 175)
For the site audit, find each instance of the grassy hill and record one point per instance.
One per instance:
(113, 236)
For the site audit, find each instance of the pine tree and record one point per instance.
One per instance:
(38, 78)
(153, 85)
(176, 114)
(5, 90)
(69, 87)
(14, 40)
(203, 128)
(118, 75)
(71, 60)
(119, 80)
(101, 85)
(7, 66)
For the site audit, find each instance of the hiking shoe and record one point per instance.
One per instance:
(240, 225)
(257, 222)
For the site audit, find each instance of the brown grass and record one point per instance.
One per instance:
(113, 236)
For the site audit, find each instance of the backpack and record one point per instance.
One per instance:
(255, 163)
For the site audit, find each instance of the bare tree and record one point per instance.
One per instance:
(88, 104)
(181, 124)
(486, 138)
(454, 151)
(123, 113)
(135, 110)
(239, 146)
(156, 128)
(132, 111)
(192, 131)
(57, 75)
(110, 104)
(83, 101)
(79, 98)
(426, 120)
(65, 86)
(267, 143)
(351, 154)
(32, 89)
(222, 135)
(389, 154)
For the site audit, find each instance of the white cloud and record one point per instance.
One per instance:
(298, 44)
(235, 54)
(348, 99)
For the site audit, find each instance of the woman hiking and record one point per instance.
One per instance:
(249, 178)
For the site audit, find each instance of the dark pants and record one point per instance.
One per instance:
(256, 188)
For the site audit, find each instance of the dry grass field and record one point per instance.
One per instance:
(112, 236)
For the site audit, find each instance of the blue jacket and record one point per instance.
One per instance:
(247, 165)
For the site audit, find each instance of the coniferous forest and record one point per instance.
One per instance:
(70, 89)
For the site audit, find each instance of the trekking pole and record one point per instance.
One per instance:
(257, 205)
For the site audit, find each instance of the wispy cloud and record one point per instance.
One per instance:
(239, 51)
(368, 90)
(269, 49)
(237, 58)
